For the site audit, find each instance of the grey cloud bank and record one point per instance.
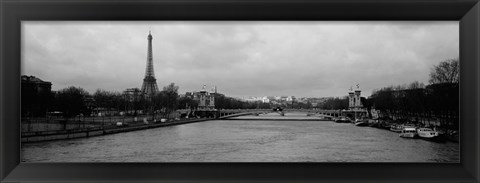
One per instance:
(313, 59)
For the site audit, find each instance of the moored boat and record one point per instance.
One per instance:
(396, 128)
(426, 133)
(408, 132)
(399, 127)
(429, 134)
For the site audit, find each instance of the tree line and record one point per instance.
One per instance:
(437, 100)
(73, 101)
(225, 102)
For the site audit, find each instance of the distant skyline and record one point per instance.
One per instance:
(243, 59)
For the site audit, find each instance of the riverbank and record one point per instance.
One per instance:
(41, 136)
(445, 133)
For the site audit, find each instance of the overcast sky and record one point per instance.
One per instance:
(303, 59)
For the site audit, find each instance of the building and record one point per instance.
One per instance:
(290, 98)
(36, 96)
(132, 94)
(253, 99)
(35, 85)
(206, 100)
(265, 99)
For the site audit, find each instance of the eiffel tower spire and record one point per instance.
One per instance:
(149, 86)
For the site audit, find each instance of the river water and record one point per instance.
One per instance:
(246, 141)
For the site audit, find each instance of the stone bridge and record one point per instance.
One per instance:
(226, 113)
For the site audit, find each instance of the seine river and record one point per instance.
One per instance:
(246, 141)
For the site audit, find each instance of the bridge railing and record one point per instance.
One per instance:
(224, 112)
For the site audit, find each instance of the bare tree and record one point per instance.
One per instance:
(445, 72)
(416, 85)
(71, 101)
(167, 99)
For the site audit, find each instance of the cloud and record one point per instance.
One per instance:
(242, 58)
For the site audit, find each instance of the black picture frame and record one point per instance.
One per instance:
(467, 12)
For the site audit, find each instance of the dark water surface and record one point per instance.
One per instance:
(246, 141)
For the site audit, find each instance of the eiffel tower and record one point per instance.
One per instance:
(149, 86)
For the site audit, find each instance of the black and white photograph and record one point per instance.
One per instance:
(240, 91)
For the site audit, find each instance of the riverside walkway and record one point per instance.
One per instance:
(97, 131)
(39, 136)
